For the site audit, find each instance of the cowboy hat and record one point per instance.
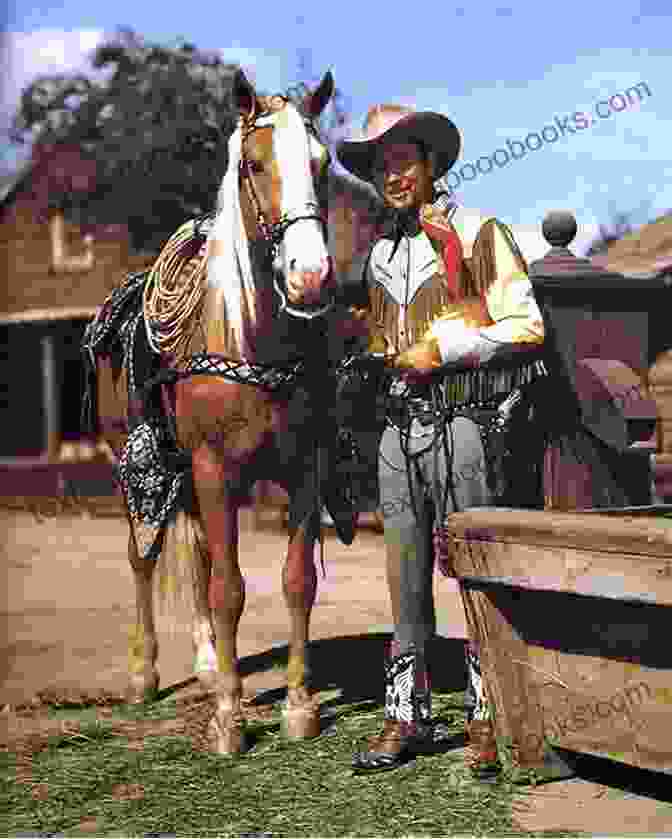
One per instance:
(398, 124)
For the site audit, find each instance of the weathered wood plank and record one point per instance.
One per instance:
(595, 531)
(569, 647)
(614, 576)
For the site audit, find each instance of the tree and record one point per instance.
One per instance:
(156, 127)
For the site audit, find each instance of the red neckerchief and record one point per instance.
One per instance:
(442, 231)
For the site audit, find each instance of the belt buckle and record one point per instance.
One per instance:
(398, 388)
(421, 410)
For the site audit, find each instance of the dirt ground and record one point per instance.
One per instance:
(69, 605)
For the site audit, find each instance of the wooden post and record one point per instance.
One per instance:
(50, 396)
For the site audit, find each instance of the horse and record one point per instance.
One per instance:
(268, 271)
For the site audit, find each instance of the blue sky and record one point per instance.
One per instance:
(499, 70)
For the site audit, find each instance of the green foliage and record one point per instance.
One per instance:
(156, 125)
(153, 120)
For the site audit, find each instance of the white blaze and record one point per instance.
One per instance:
(230, 272)
(303, 241)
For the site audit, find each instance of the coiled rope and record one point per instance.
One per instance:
(174, 292)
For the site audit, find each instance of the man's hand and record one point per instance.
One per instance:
(307, 286)
(365, 325)
(421, 359)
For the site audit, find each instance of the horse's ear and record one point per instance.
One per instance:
(244, 94)
(317, 101)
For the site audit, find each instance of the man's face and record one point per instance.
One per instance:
(402, 176)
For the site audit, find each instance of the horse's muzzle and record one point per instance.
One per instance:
(317, 294)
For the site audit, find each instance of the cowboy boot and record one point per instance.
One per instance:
(407, 727)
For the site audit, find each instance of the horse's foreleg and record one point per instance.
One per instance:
(143, 646)
(226, 596)
(203, 633)
(299, 584)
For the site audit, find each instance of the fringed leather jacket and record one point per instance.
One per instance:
(409, 274)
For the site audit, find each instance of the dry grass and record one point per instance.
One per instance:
(112, 769)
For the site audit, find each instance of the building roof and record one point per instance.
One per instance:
(48, 315)
(12, 182)
(645, 252)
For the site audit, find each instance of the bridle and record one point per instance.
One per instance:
(273, 232)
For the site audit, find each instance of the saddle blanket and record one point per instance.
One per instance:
(151, 478)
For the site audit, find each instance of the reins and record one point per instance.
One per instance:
(454, 390)
(170, 301)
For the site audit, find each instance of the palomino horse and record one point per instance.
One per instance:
(268, 226)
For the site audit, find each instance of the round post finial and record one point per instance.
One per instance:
(559, 228)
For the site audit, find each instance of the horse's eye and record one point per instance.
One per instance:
(256, 166)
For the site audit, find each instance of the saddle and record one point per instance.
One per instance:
(152, 470)
(142, 327)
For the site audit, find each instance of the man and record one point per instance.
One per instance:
(432, 296)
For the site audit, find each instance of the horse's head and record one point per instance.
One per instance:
(281, 156)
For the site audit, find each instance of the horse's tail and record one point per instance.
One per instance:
(182, 572)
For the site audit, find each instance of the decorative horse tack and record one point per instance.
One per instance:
(258, 230)
(274, 232)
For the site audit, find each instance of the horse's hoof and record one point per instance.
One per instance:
(141, 692)
(226, 734)
(301, 722)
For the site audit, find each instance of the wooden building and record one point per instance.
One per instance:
(54, 275)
